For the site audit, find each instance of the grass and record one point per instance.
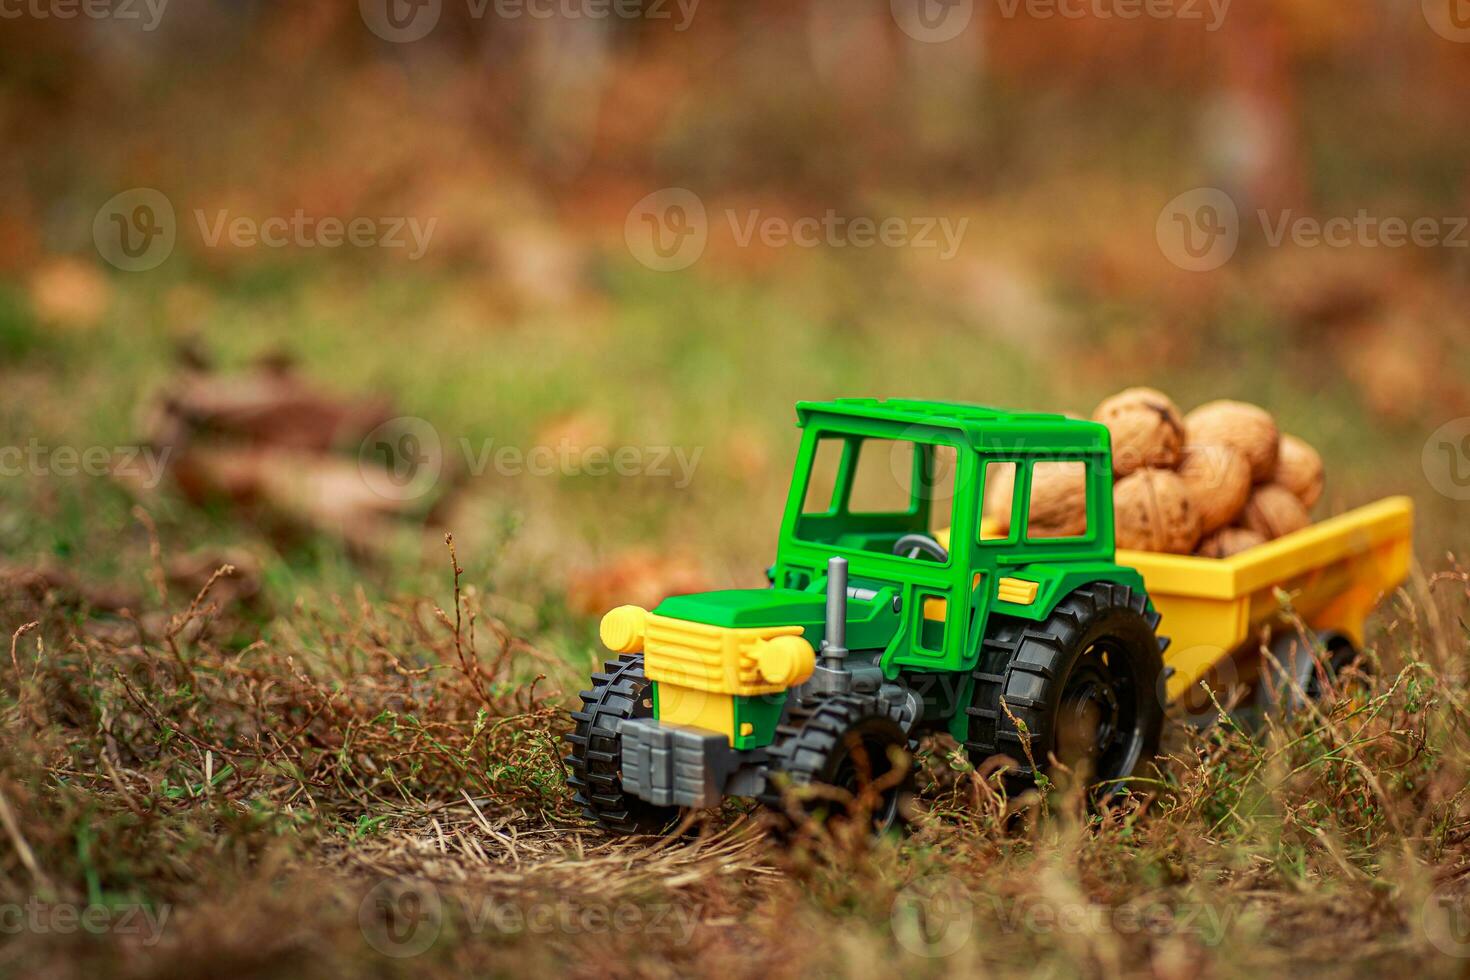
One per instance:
(376, 787)
(364, 755)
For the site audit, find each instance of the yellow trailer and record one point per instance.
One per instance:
(1333, 574)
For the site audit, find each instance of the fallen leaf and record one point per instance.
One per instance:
(71, 294)
(640, 577)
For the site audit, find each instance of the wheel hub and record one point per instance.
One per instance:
(1091, 720)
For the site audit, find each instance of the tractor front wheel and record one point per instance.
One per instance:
(594, 764)
(837, 759)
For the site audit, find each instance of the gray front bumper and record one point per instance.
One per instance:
(670, 765)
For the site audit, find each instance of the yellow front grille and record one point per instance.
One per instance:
(707, 658)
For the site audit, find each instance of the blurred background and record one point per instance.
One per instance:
(302, 286)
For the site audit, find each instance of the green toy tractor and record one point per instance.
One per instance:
(896, 609)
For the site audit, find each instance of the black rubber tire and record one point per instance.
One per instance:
(1277, 695)
(594, 765)
(1030, 665)
(844, 741)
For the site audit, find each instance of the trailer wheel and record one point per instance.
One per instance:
(1079, 688)
(837, 757)
(595, 761)
(1279, 692)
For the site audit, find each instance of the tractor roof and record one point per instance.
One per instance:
(983, 428)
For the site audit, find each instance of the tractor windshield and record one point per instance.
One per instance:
(866, 493)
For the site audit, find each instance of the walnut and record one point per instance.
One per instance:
(1153, 512)
(1000, 489)
(1146, 429)
(1299, 469)
(1229, 541)
(1242, 427)
(1058, 505)
(1274, 511)
(1219, 482)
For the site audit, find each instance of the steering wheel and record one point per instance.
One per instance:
(912, 545)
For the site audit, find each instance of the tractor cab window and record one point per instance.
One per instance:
(1055, 505)
(868, 493)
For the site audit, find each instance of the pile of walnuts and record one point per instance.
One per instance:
(1213, 483)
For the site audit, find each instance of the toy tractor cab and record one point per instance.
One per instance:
(894, 610)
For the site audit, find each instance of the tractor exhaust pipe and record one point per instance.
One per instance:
(834, 647)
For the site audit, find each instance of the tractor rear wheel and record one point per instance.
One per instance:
(1081, 688)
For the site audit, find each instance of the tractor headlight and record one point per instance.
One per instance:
(784, 660)
(623, 629)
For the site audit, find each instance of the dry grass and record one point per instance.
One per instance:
(356, 781)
